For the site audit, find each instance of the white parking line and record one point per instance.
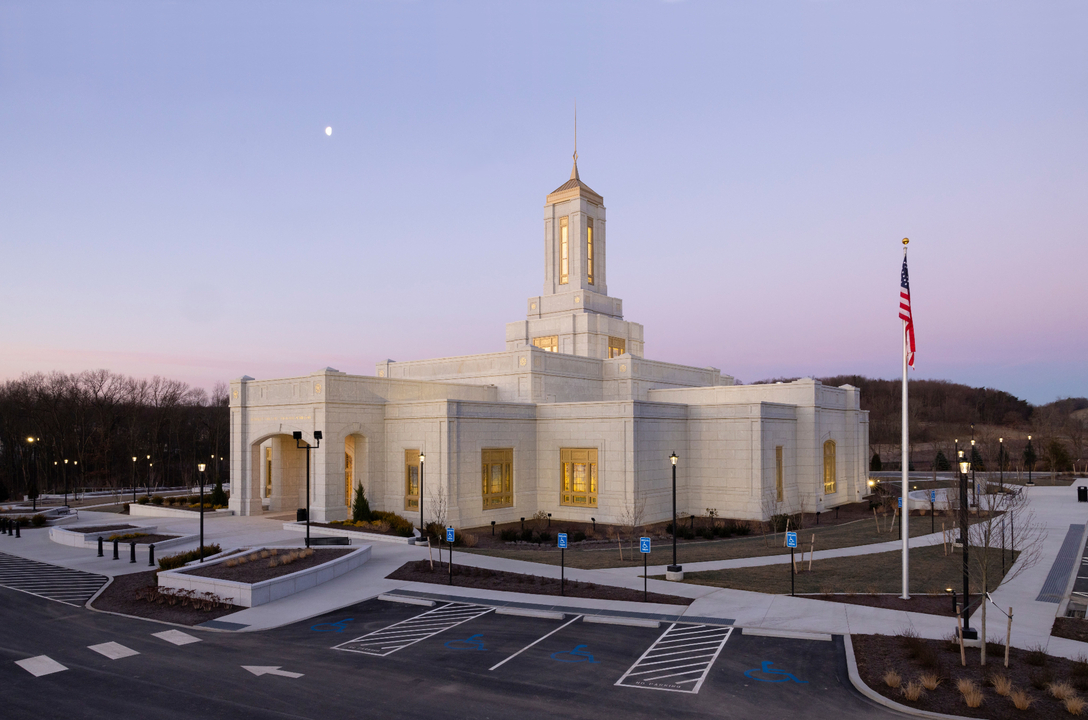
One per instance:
(40, 665)
(416, 629)
(176, 637)
(534, 642)
(112, 650)
(679, 660)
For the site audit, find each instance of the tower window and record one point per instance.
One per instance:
(589, 248)
(616, 347)
(548, 343)
(578, 477)
(411, 479)
(829, 467)
(498, 478)
(778, 490)
(564, 253)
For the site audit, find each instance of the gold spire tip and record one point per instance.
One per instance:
(906, 241)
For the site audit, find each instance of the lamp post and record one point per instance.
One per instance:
(422, 458)
(200, 467)
(1001, 464)
(298, 443)
(674, 570)
(33, 452)
(133, 478)
(965, 465)
(1029, 459)
(148, 484)
(974, 485)
(65, 482)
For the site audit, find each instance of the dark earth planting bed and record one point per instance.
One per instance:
(120, 596)
(255, 571)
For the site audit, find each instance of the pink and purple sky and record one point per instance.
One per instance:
(171, 205)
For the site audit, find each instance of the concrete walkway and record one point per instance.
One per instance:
(1054, 507)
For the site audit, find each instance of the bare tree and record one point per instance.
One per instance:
(999, 513)
(632, 517)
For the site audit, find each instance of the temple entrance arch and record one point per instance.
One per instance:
(278, 472)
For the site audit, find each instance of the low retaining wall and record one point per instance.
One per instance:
(252, 595)
(149, 510)
(75, 538)
(300, 527)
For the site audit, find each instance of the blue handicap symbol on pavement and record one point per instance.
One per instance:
(576, 655)
(332, 627)
(469, 643)
(767, 670)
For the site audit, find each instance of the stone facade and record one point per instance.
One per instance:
(571, 379)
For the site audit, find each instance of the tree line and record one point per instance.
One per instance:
(98, 421)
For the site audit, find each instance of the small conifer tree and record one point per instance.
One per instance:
(360, 510)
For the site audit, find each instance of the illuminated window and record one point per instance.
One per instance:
(268, 472)
(778, 472)
(829, 467)
(578, 477)
(616, 347)
(589, 248)
(564, 253)
(349, 476)
(411, 479)
(550, 343)
(498, 478)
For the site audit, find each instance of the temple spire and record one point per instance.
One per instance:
(574, 170)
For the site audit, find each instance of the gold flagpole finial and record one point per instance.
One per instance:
(906, 241)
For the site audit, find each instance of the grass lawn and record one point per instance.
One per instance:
(860, 532)
(931, 571)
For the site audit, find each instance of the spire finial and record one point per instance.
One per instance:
(574, 170)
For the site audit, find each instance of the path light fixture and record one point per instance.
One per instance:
(965, 467)
(952, 594)
(422, 459)
(297, 435)
(674, 571)
(201, 467)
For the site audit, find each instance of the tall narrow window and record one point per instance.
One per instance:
(349, 476)
(829, 467)
(498, 478)
(778, 490)
(411, 479)
(268, 472)
(616, 347)
(578, 477)
(589, 248)
(564, 253)
(550, 343)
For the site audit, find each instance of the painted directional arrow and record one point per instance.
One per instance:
(259, 670)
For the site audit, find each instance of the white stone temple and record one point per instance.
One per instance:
(570, 418)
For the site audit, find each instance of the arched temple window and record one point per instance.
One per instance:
(829, 467)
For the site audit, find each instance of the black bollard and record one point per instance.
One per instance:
(523, 524)
(17, 529)
(492, 528)
(151, 555)
(116, 556)
(100, 553)
(132, 551)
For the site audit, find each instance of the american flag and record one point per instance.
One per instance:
(904, 312)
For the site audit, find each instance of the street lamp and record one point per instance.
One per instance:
(974, 485)
(133, 478)
(1029, 457)
(422, 457)
(674, 568)
(1001, 463)
(65, 482)
(148, 485)
(297, 435)
(965, 465)
(200, 467)
(33, 452)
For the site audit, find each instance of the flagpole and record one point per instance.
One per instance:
(904, 516)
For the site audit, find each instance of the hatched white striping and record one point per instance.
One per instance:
(679, 660)
(416, 629)
(52, 582)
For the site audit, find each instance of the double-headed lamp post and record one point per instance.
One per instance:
(200, 467)
(674, 568)
(297, 435)
(965, 466)
(422, 458)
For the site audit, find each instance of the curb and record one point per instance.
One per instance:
(860, 686)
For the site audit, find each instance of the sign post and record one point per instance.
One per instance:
(932, 505)
(449, 541)
(644, 548)
(791, 543)
(901, 516)
(562, 563)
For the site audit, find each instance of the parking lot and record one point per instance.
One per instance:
(386, 659)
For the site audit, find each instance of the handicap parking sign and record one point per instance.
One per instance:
(449, 535)
(933, 496)
(791, 539)
(644, 545)
(562, 540)
(900, 503)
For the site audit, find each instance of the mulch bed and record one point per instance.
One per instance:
(1030, 671)
(928, 604)
(1071, 628)
(147, 539)
(103, 528)
(120, 597)
(467, 576)
(258, 570)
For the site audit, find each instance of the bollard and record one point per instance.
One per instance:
(100, 554)
(17, 529)
(151, 555)
(132, 551)
(115, 555)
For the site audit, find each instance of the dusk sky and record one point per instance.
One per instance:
(171, 205)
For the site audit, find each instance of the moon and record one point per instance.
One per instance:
(328, 131)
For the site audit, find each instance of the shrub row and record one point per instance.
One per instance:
(175, 561)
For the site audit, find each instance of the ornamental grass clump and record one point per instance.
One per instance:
(972, 693)
(1061, 691)
(930, 681)
(1021, 700)
(1074, 705)
(892, 679)
(1002, 685)
(913, 691)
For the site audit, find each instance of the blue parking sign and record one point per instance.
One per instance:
(449, 535)
(791, 539)
(562, 540)
(933, 496)
(644, 545)
(900, 503)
